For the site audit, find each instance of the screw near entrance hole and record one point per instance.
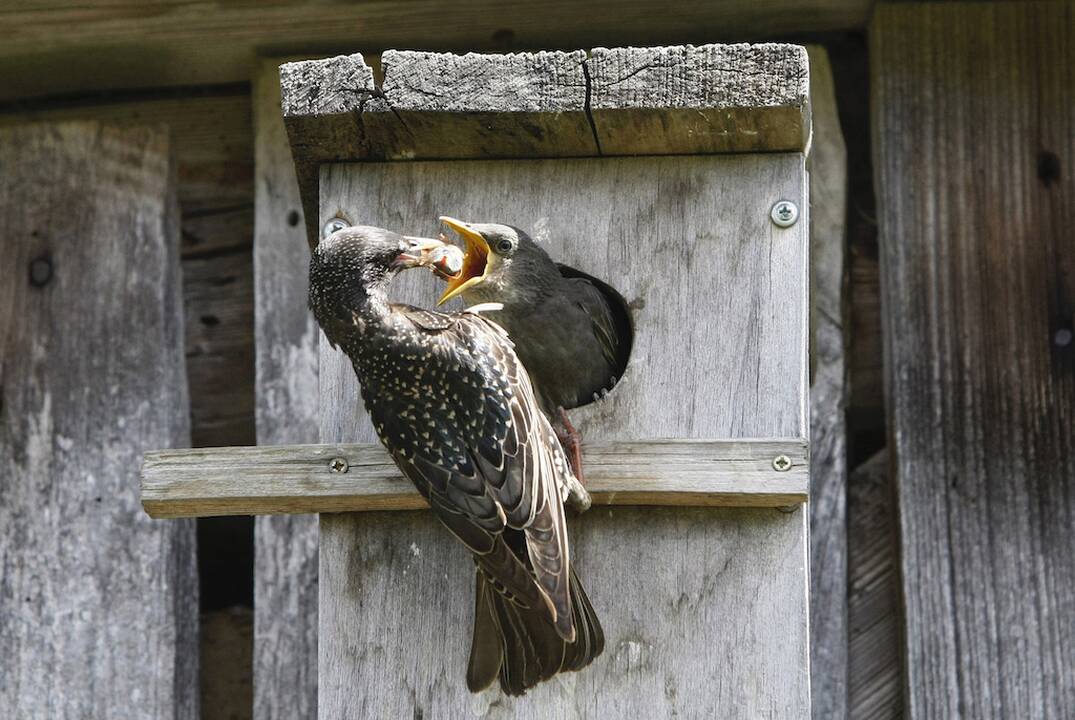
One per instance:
(784, 213)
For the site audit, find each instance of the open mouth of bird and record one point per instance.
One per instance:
(475, 260)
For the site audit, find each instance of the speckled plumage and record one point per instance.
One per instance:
(455, 408)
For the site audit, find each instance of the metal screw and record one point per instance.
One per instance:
(332, 226)
(1062, 337)
(784, 213)
(338, 465)
(781, 463)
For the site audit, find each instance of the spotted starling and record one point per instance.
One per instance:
(571, 331)
(455, 408)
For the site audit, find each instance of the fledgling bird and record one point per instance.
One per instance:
(455, 408)
(571, 331)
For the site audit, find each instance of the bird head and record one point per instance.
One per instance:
(496, 257)
(355, 261)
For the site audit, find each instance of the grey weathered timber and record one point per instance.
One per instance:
(874, 676)
(704, 99)
(285, 548)
(705, 610)
(299, 479)
(827, 165)
(98, 603)
(974, 135)
(648, 101)
(53, 48)
(213, 149)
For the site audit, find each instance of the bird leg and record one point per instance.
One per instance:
(571, 441)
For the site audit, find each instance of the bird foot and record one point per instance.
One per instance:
(571, 441)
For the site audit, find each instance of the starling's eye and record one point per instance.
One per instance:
(505, 246)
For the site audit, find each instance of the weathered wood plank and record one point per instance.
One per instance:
(827, 166)
(974, 135)
(212, 144)
(548, 104)
(53, 47)
(298, 478)
(875, 675)
(285, 572)
(98, 604)
(704, 99)
(719, 301)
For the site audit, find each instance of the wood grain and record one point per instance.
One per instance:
(285, 548)
(705, 99)
(212, 144)
(52, 47)
(98, 604)
(974, 135)
(827, 166)
(719, 301)
(297, 478)
(712, 98)
(875, 675)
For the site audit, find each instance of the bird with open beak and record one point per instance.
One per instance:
(456, 410)
(571, 331)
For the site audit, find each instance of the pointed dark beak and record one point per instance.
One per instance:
(415, 251)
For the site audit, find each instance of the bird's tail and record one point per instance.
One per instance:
(521, 645)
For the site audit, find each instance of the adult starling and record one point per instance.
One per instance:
(453, 405)
(571, 331)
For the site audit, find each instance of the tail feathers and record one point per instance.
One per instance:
(522, 646)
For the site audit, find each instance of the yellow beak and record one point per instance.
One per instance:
(474, 261)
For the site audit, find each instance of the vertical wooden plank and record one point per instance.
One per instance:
(827, 166)
(875, 678)
(285, 547)
(98, 603)
(705, 611)
(974, 135)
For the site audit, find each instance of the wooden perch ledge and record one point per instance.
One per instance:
(345, 478)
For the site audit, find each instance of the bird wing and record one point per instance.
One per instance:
(487, 460)
(609, 318)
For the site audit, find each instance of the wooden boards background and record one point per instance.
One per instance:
(53, 48)
(974, 139)
(99, 603)
(704, 610)
(285, 547)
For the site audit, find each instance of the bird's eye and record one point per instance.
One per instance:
(504, 246)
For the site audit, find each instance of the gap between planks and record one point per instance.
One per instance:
(298, 479)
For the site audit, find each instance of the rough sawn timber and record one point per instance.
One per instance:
(297, 479)
(98, 603)
(625, 101)
(974, 140)
(285, 547)
(704, 609)
(53, 48)
(827, 165)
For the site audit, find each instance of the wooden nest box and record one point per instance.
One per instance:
(675, 174)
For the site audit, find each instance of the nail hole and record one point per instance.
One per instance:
(210, 320)
(293, 218)
(41, 271)
(1048, 168)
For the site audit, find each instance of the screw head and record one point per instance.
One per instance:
(784, 213)
(1063, 337)
(338, 465)
(781, 463)
(40, 271)
(332, 226)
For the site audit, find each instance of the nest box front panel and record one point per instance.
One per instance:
(716, 289)
(704, 609)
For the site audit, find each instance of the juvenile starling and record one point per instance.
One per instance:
(571, 331)
(455, 408)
